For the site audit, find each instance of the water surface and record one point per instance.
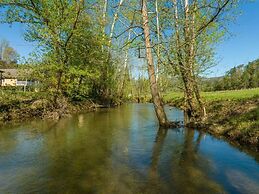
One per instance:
(120, 151)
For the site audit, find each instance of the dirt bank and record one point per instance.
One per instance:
(42, 108)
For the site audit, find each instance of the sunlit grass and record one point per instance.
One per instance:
(218, 95)
(9, 97)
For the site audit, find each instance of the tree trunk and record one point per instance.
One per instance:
(59, 80)
(159, 109)
(125, 67)
(158, 42)
(189, 62)
(105, 90)
(183, 61)
(104, 20)
(192, 61)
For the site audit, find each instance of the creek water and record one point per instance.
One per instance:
(122, 151)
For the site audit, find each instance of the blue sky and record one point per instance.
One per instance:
(14, 35)
(243, 45)
(240, 48)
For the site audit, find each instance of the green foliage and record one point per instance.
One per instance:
(4, 65)
(73, 48)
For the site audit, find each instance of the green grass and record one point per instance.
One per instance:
(12, 97)
(218, 95)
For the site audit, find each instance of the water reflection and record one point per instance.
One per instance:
(155, 183)
(192, 172)
(187, 170)
(120, 151)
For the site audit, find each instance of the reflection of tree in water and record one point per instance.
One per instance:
(81, 153)
(154, 182)
(191, 173)
(73, 155)
(188, 168)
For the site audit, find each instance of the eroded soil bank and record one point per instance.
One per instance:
(43, 108)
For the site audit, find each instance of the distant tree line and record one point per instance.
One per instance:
(239, 77)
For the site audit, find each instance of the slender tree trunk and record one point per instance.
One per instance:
(104, 19)
(184, 70)
(59, 75)
(192, 62)
(158, 42)
(159, 109)
(101, 89)
(115, 18)
(189, 62)
(106, 91)
(198, 110)
(125, 67)
(190, 105)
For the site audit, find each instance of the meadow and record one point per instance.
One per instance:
(218, 95)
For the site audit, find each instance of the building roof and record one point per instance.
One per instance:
(9, 73)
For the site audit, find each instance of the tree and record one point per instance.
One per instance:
(196, 27)
(70, 37)
(7, 53)
(238, 77)
(159, 109)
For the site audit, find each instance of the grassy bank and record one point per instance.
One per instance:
(218, 95)
(18, 105)
(231, 114)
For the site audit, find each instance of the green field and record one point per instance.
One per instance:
(218, 95)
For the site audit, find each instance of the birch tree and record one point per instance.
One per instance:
(197, 26)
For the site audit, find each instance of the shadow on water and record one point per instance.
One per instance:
(187, 170)
(120, 151)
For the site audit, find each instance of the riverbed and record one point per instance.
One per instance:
(121, 150)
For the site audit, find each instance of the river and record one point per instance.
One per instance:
(122, 151)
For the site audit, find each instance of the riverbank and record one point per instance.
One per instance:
(19, 106)
(233, 115)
